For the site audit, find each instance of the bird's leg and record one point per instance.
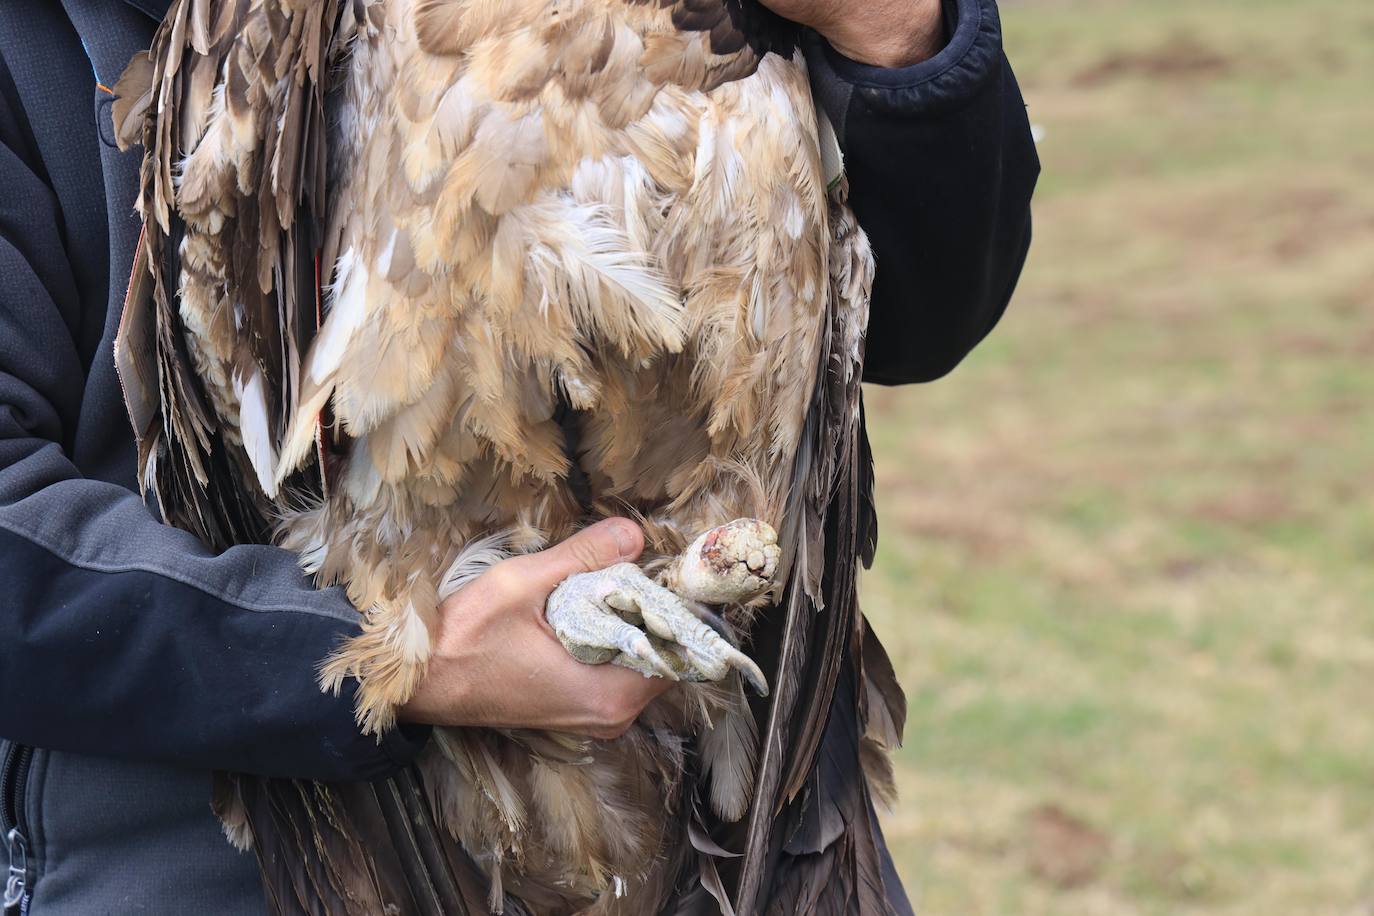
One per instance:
(619, 615)
(730, 564)
(622, 616)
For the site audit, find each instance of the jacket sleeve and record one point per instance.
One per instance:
(119, 636)
(941, 167)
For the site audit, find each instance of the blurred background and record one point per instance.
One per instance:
(1127, 557)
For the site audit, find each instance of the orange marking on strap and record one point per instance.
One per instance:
(103, 88)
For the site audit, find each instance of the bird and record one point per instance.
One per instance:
(426, 284)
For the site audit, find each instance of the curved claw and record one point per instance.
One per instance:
(715, 660)
(641, 650)
(708, 653)
(750, 671)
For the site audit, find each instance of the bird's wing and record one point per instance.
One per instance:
(811, 845)
(229, 107)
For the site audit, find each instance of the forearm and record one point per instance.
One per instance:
(120, 636)
(882, 33)
(879, 33)
(941, 168)
(119, 641)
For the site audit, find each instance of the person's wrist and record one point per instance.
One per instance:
(887, 33)
(447, 684)
(446, 693)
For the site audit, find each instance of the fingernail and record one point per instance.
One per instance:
(625, 541)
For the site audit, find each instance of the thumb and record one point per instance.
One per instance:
(608, 542)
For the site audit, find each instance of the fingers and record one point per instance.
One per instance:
(618, 697)
(600, 701)
(608, 542)
(498, 662)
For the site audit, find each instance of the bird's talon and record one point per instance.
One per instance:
(750, 671)
(643, 651)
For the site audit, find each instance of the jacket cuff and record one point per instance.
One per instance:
(949, 79)
(364, 758)
(403, 744)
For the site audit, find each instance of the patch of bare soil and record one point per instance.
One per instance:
(1063, 849)
(1248, 508)
(1315, 218)
(1181, 58)
(985, 535)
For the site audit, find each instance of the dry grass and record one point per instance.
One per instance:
(1126, 561)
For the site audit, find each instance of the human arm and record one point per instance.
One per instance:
(879, 33)
(941, 167)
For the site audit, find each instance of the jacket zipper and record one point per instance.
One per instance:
(14, 777)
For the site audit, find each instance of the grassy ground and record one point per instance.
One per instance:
(1127, 568)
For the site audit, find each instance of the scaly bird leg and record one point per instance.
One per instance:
(619, 615)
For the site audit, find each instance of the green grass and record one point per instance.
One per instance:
(1127, 565)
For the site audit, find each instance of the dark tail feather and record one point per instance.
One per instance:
(829, 858)
(323, 849)
(866, 522)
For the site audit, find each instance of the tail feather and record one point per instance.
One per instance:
(323, 849)
(832, 862)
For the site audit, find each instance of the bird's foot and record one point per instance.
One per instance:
(731, 564)
(620, 615)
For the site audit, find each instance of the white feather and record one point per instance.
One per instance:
(348, 311)
(362, 482)
(255, 429)
(384, 259)
(346, 315)
(411, 636)
(474, 559)
(728, 745)
(578, 252)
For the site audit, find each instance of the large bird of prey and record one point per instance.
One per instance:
(436, 282)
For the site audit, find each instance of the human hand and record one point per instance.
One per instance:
(497, 663)
(882, 33)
